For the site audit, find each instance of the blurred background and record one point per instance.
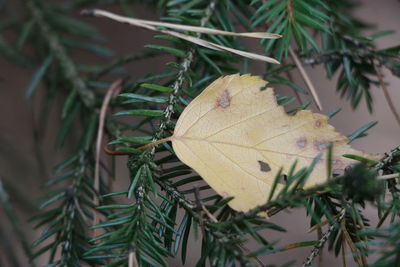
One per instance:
(27, 160)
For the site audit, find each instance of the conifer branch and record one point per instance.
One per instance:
(185, 65)
(316, 250)
(57, 49)
(15, 222)
(146, 228)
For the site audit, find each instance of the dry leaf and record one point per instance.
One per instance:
(237, 137)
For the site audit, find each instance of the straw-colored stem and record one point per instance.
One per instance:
(385, 90)
(156, 143)
(112, 91)
(388, 176)
(305, 77)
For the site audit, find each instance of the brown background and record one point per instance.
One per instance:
(20, 156)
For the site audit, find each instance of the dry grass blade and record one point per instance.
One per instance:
(385, 90)
(319, 226)
(132, 261)
(388, 176)
(305, 77)
(133, 21)
(360, 259)
(112, 91)
(154, 26)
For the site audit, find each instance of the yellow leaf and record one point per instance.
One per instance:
(237, 137)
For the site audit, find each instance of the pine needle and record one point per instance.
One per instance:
(152, 25)
(306, 78)
(112, 91)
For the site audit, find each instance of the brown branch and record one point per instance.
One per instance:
(319, 226)
(386, 93)
(132, 261)
(317, 248)
(344, 253)
(289, 9)
(112, 91)
(155, 143)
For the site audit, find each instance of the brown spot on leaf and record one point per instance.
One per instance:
(321, 145)
(302, 142)
(318, 123)
(264, 167)
(224, 100)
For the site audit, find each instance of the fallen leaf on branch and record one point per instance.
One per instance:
(236, 136)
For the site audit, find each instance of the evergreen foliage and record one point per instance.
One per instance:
(84, 221)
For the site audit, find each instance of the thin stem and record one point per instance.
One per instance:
(290, 10)
(317, 248)
(296, 93)
(169, 110)
(132, 261)
(388, 176)
(112, 91)
(386, 94)
(156, 143)
(387, 160)
(305, 77)
(344, 253)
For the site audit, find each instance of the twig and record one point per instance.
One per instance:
(155, 143)
(388, 176)
(290, 77)
(318, 226)
(290, 10)
(344, 253)
(293, 246)
(199, 210)
(112, 91)
(57, 49)
(386, 93)
(387, 160)
(317, 248)
(177, 195)
(321, 255)
(169, 110)
(132, 262)
(201, 206)
(305, 77)
(189, 206)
